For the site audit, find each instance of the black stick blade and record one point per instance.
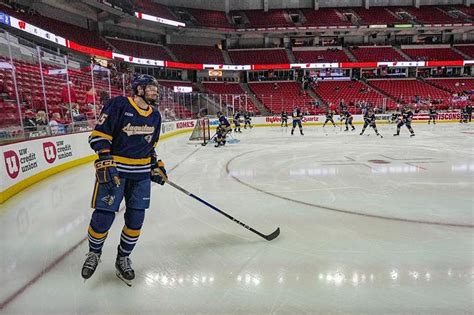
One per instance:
(273, 235)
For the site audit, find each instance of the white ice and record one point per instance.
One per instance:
(368, 225)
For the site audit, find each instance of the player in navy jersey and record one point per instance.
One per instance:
(297, 117)
(284, 118)
(369, 120)
(237, 122)
(222, 129)
(432, 115)
(405, 119)
(346, 115)
(124, 138)
(329, 118)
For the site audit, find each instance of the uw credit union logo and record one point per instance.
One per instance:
(12, 162)
(49, 151)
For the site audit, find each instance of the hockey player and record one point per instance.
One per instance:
(394, 118)
(284, 118)
(247, 120)
(329, 118)
(369, 120)
(237, 122)
(297, 117)
(222, 130)
(347, 117)
(405, 119)
(469, 112)
(432, 115)
(124, 138)
(463, 115)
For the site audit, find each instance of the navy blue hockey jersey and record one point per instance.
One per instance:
(129, 133)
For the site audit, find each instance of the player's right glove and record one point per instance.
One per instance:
(158, 172)
(106, 171)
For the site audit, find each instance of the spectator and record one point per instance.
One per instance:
(41, 118)
(29, 121)
(76, 114)
(104, 97)
(91, 98)
(65, 94)
(56, 125)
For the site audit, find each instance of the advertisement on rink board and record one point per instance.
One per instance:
(25, 159)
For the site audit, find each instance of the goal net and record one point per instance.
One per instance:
(201, 132)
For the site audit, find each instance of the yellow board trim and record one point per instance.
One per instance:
(142, 112)
(13, 190)
(130, 232)
(96, 133)
(125, 160)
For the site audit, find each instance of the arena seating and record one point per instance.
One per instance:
(31, 93)
(376, 54)
(69, 31)
(172, 108)
(468, 50)
(376, 15)
(198, 54)
(270, 19)
(208, 18)
(324, 17)
(453, 85)
(282, 96)
(352, 92)
(429, 15)
(267, 56)
(231, 89)
(156, 9)
(468, 10)
(407, 91)
(319, 56)
(141, 50)
(427, 54)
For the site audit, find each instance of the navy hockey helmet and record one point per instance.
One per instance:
(143, 80)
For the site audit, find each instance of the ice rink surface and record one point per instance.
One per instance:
(368, 226)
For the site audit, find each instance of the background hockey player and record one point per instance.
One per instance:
(237, 122)
(432, 115)
(297, 117)
(329, 118)
(247, 120)
(124, 138)
(284, 118)
(347, 117)
(369, 120)
(222, 129)
(405, 119)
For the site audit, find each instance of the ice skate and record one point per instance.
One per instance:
(124, 271)
(90, 265)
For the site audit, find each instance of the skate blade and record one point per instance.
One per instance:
(127, 282)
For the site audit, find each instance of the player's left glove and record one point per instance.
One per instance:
(158, 172)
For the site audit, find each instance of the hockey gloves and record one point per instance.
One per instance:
(158, 172)
(106, 172)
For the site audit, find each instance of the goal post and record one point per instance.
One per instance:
(201, 132)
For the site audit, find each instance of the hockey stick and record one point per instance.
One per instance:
(210, 140)
(268, 237)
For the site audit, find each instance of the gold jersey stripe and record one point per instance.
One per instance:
(130, 161)
(96, 133)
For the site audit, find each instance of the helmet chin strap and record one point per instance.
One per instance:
(149, 102)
